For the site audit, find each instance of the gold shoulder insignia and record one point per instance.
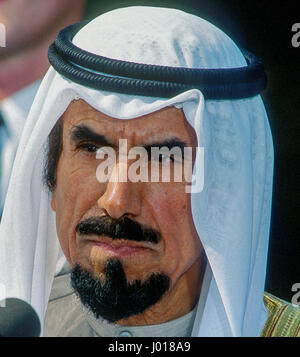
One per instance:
(283, 319)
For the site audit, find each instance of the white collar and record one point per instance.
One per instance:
(180, 327)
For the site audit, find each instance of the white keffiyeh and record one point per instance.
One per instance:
(231, 214)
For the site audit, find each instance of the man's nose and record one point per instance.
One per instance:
(121, 196)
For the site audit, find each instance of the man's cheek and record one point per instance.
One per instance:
(170, 205)
(80, 173)
(77, 188)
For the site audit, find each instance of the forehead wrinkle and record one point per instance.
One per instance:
(79, 110)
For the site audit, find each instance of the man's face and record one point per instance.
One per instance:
(163, 207)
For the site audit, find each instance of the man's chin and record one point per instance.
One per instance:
(112, 297)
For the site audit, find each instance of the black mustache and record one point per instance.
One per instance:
(122, 228)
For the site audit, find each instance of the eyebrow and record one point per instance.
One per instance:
(169, 143)
(81, 133)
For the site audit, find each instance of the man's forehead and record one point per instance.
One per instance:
(78, 109)
(165, 122)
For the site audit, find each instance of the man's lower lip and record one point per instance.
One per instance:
(120, 250)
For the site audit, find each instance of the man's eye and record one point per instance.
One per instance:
(164, 158)
(88, 147)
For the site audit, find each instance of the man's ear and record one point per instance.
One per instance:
(53, 204)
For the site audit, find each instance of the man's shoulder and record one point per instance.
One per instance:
(283, 319)
(65, 315)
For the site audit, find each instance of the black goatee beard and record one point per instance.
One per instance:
(116, 299)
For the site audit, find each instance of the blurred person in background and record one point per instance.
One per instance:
(30, 26)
